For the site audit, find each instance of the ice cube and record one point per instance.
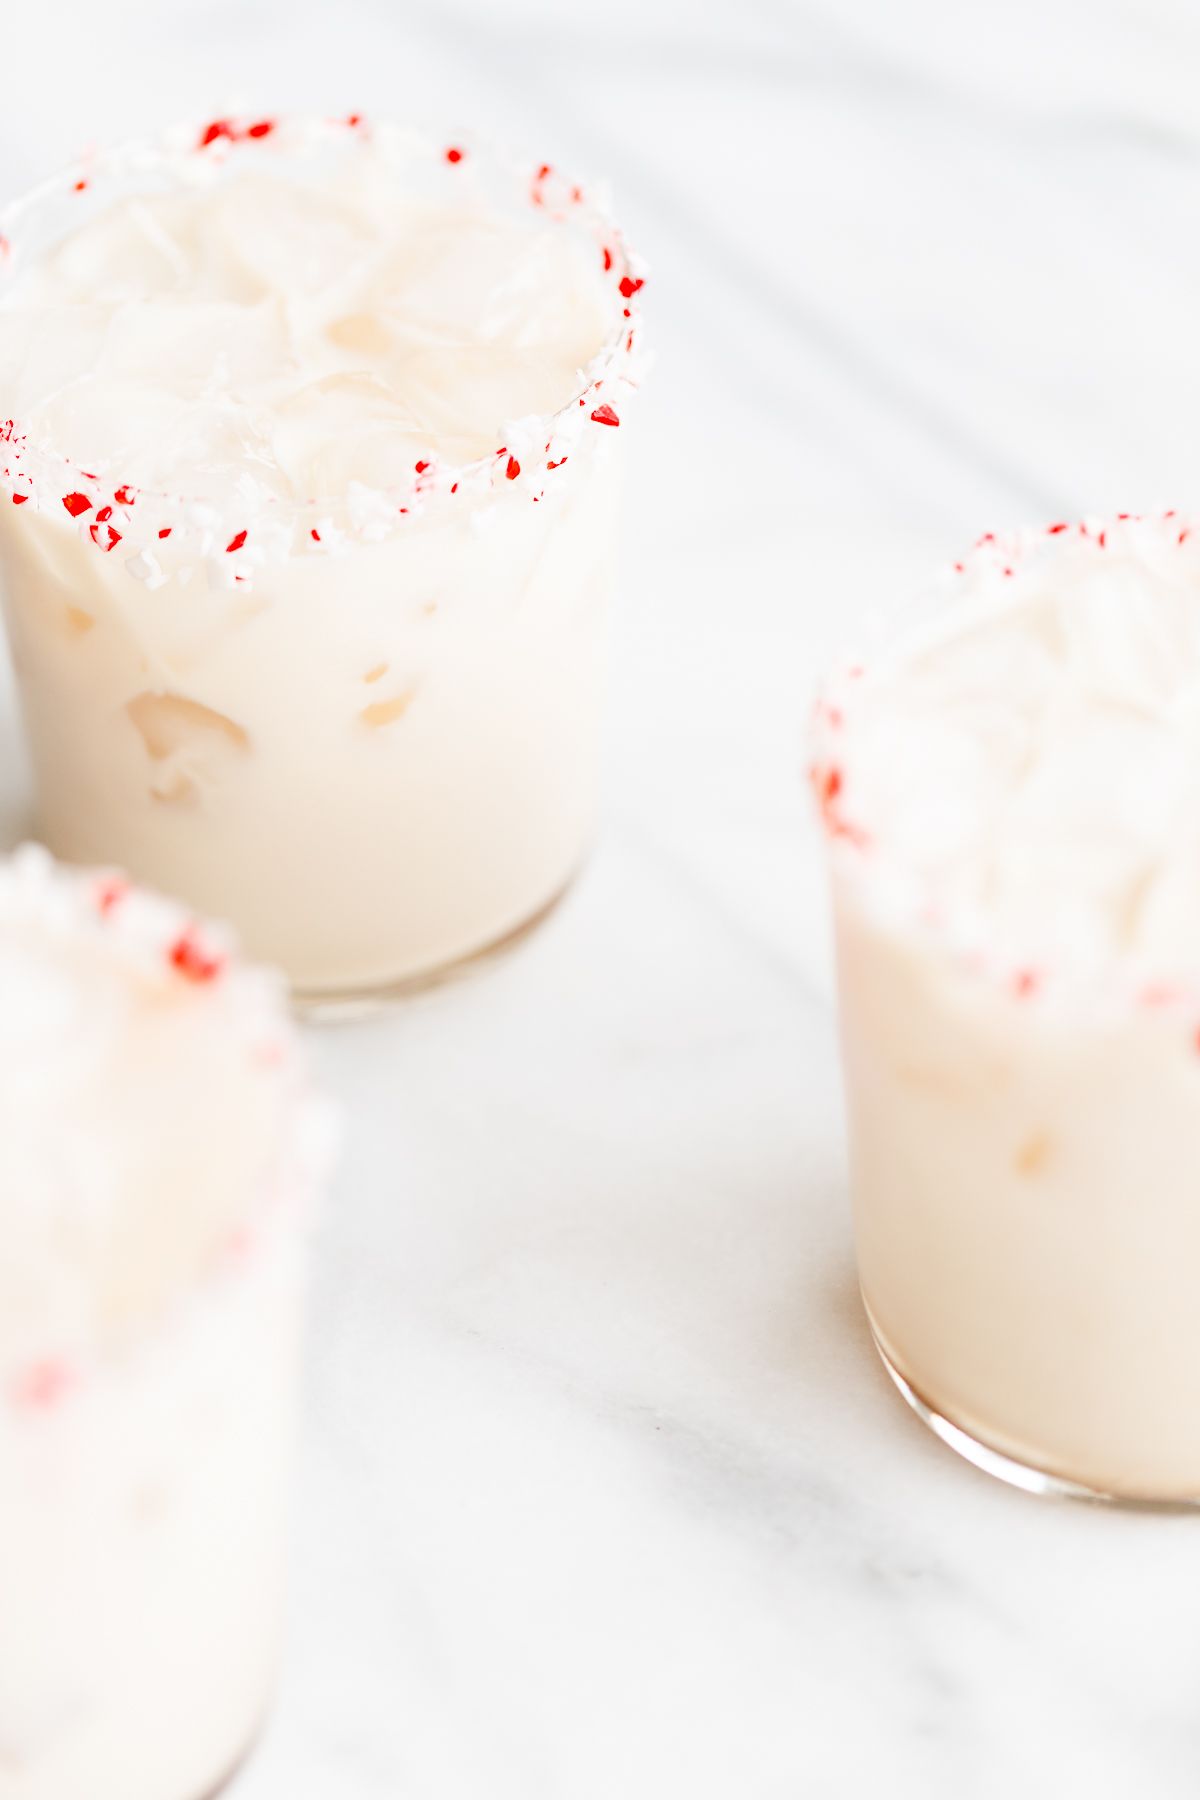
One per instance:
(196, 347)
(285, 239)
(133, 249)
(495, 280)
(345, 428)
(107, 423)
(461, 397)
(44, 348)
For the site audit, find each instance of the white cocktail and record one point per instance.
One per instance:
(1011, 791)
(159, 1151)
(307, 531)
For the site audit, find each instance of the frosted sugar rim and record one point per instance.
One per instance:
(155, 940)
(991, 579)
(145, 527)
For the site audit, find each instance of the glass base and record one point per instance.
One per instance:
(337, 1006)
(1006, 1468)
(231, 1774)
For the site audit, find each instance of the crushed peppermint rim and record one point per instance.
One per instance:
(235, 541)
(163, 951)
(987, 584)
(154, 938)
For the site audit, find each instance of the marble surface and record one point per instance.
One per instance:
(604, 1493)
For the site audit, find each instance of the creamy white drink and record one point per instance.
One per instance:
(1011, 791)
(311, 468)
(158, 1151)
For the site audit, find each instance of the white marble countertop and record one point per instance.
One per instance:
(604, 1494)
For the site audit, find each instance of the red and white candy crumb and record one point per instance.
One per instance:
(146, 934)
(160, 537)
(1123, 559)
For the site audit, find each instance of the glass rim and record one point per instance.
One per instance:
(149, 934)
(233, 539)
(995, 577)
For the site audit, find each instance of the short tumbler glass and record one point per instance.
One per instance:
(365, 731)
(1024, 1137)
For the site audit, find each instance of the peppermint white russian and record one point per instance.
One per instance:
(1010, 789)
(312, 472)
(159, 1151)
